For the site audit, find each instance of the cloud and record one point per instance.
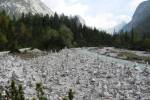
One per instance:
(134, 3)
(72, 1)
(102, 16)
(124, 18)
(69, 7)
(106, 20)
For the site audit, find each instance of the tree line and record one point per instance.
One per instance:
(132, 40)
(58, 31)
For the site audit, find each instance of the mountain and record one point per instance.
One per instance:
(16, 7)
(141, 19)
(116, 28)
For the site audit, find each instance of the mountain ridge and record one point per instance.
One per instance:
(140, 21)
(17, 7)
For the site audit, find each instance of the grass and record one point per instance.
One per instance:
(146, 59)
(133, 57)
(129, 56)
(26, 55)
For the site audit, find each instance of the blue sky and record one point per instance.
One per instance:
(102, 14)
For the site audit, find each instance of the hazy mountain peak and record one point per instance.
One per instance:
(117, 28)
(140, 20)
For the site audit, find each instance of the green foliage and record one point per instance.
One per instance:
(66, 35)
(21, 93)
(70, 95)
(0, 95)
(33, 98)
(16, 92)
(56, 32)
(3, 39)
(65, 98)
(146, 43)
(40, 92)
(47, 32)
(131, 40)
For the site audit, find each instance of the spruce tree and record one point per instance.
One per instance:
(40, 92)
(21, 93)
(13, 91)
(70, 94)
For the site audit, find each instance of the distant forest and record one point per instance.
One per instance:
(56, 32)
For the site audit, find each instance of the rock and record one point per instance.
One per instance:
(14, 76)
(17, 7)
(141, 19)
(97, 78)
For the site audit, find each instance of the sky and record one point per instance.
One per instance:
(102, 14)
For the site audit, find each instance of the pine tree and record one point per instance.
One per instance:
(13, 91)
(70, 94)
(1, 98)
(40, 92)
(21, 93)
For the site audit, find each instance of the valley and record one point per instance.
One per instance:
(49, 55)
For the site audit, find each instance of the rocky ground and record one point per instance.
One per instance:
(91, 76)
